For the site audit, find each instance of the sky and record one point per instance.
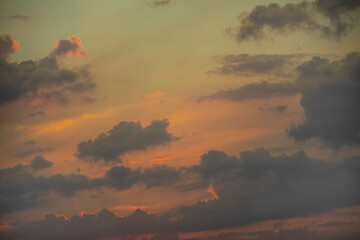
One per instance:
(179, 119)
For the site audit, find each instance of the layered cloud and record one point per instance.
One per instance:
(123, 138)
(302, 15)
(330, 98)
(253, 187)
(43, 80)
(243, 64)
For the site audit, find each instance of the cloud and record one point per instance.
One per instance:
(257, 64)
(262, 90)
(331, 103)
(298, 16)
(19, 17)
(40, 81)
(7, 46)
(160, 2)
(123, 138)
(251, 188)
(36, 114)
(31, 148)
(39, 162)
(330, 99)
(279, 108)
(21, 189)
(88, 99)
(70, 46)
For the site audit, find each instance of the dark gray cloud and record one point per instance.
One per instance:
(279, 108)
(253, 187)
(256, 64)
(19, 17)
(293, 16)
(39, 162)
(331, 102)
(262, 90)
(21, 189)
(338, 13)
(43, 80)
(7, 46)
(330, 97)
(160, 2)
(30, 148)
(123, 138)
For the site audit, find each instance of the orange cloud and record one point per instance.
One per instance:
(70, 46)
(8, 46)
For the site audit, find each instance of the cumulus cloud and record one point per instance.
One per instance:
(39, 162)
(298, 16)
(7, 46)
(253, 187)
(331, 102)
(123, 138)
(43, 80)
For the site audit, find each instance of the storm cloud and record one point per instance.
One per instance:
(42, 80)
(123, 138)
(293, 16)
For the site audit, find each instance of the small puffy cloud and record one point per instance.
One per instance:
(70, 46)
(301, 15)
(123, 138)
(39, 162)
(7, 46)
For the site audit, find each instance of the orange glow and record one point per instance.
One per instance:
(160, 159)
(212, 191)
(57, 215)
(15, 46)
(156, 94)
(4, 227)
(75, 41)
